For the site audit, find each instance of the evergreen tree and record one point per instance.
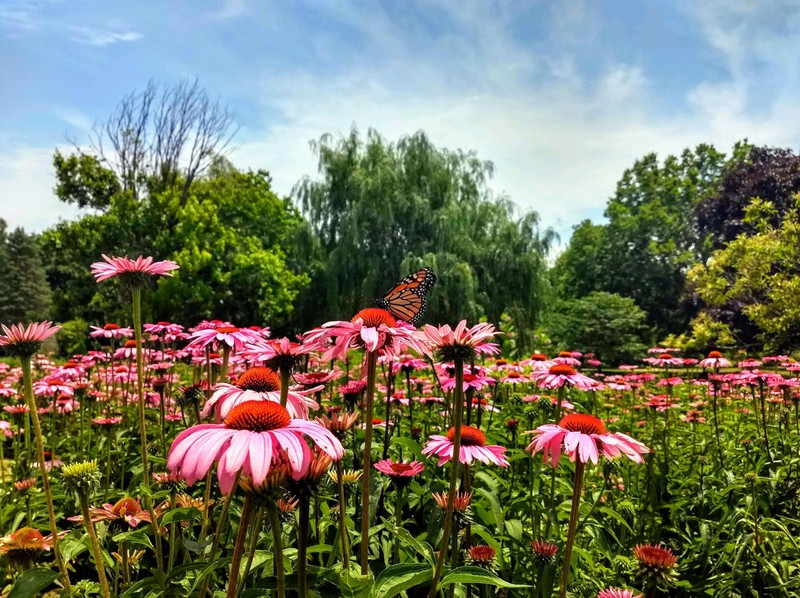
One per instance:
(24, 293)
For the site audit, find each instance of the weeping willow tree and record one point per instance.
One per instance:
(381, 209)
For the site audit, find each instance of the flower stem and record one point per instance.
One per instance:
(342, 514)
(95, 545)
(137, 331)
(238, 549)
(302, 545)
(398, 522)
(285, 373)
(577, 487)
(372, 361)
(277, 548)
(458, 408)
(37, 432)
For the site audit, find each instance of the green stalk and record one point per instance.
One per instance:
(302, 545)
(285, 373)
(137, 331)
(95, 545)
(238, 548)
(577, 486)
(37, 432)
(372, 361)
(277, 548)
(458, 405)
(342, 514)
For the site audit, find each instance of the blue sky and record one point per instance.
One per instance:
(562, 96)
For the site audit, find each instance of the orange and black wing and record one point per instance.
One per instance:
(407, 300)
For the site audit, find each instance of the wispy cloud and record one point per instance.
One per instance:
(98, 37)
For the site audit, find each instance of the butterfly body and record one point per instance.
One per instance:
(407, 299)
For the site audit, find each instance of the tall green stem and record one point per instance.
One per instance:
(577, 487)
(37, 432)
(372, 361)
(238, 549)
(458, 408)
(95, 545)
(137, 331)
(277, 548)
(285, 373)
(302, 545)
(342, 515)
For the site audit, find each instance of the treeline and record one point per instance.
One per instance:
(697, 250)
(705, 244)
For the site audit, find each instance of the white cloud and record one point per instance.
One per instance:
(26, 189)
(98, 37)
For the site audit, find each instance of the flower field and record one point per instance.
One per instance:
(374, 458)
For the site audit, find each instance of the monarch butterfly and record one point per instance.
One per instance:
(407, 299)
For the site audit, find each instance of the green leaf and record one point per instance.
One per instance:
(32, 581)
(397, 578)
(181, 514)
(354, 585)
(472, 574)
(136, 538)
(424, 549)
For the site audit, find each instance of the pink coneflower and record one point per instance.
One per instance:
(254, 433)
(460, 343)
(538, 361)
(473, 447)
(471, 381)
(110, 330)
(280, 352)
(106, 422)
(316, 378)
(132, 271)
(628, 367)
(163, 329)
(482, 555)
(567, 358)
(256, 384)
(222, 336)
(127, 511)
(25, 546)
(694, 417)
(52, 387)
(514, 378)
(672, 381)
(16, 409)
(25, 341)
(617, 593)
(373, 329)
(583, 437)
(665, 360)
(408, 363)
(715, 360)
(400, 473)
(543, 551)
(560, 375)
(461, 500)
(655, 560)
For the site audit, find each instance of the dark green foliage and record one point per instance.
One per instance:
(651, 237)
(230, 237)
(608, 325)
(381, 209)
(83, 180)
(769, 173)
(24, 294)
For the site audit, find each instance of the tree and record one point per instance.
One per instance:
(82, 180)
(24, 294)
(752, 284)
(578, 269)
(162, 137)
(382, 209)
(608, 325)
(230, 237)
(769, 173)
(651, 238)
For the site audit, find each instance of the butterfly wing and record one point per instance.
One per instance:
(407, 300)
